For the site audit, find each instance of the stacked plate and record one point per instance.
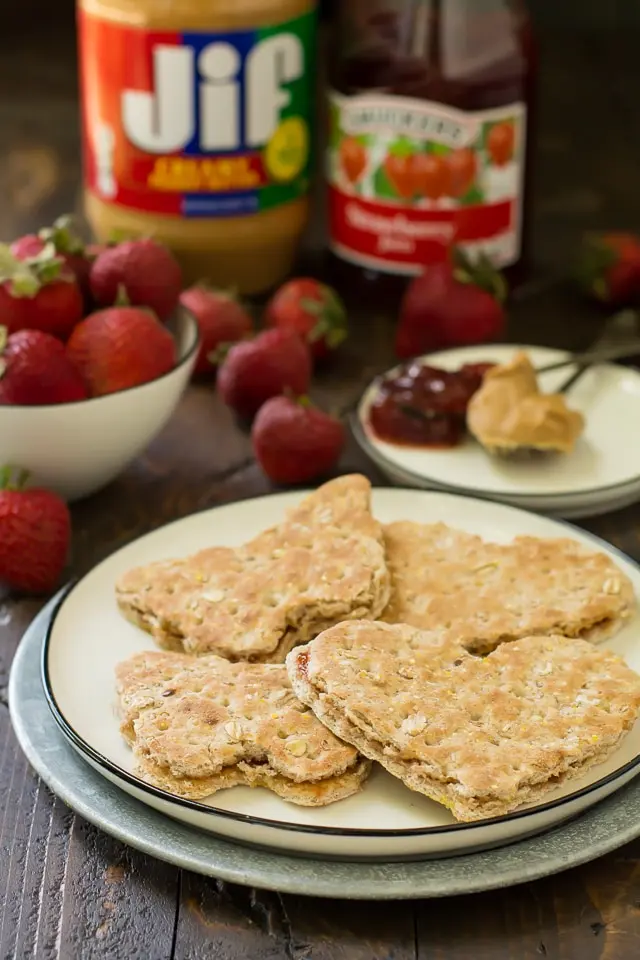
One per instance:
(67, 721)
(600, 475)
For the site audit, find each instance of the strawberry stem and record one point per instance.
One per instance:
(122, 297)
(480, 272)
(6, 477)
(217, 357)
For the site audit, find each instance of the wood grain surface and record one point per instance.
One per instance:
(67, 891)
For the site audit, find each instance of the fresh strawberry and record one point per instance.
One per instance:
(294, 441)
(256, 370)
(39, 293)
(35, 370)
(67, 244)
(144, 269)
(312, 310)
(119, 348)
(221, 319)
(609, 268)
(451, 304)
(35, 530)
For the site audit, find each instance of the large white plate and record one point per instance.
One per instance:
(88, 637)
(606, 457)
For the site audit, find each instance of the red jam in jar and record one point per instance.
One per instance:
(430, 116)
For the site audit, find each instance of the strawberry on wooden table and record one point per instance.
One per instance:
(256, 370)
(451, 304)
(311, 309)
(38, 293)
(609, 268)
(295, 442)
(35, 530)
(119, 348)
(144, 269)
(67, 244)
(35, 370)
(221, 319)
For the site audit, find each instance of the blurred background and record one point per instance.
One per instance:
(587, 138)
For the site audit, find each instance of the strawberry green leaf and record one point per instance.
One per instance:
(439, 149)
(7, 481)
(480, 272)
(63, 236)
(472, 197)
(402, 147)
(382, 186)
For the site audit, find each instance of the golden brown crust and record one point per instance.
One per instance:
(509, 413)
(480, 735)
(198, 725)
(489, 593)
(324, 564)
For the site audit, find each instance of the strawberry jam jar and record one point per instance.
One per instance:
(430, 106)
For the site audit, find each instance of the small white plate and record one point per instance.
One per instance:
(605, 460)
(88, 637)
(563, 508)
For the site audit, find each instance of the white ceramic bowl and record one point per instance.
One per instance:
(77, 448)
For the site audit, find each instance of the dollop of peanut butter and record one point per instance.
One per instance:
(509, 412)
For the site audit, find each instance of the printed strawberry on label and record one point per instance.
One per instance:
(221, 319)
(295, 442)
(144, 269)
(453, 303)
(312, 310)
(119, 348)
(353, 158)
(609, 268)
(256, 370)
(501, 141)
(35, 370)
(35, 531)
(39, 293)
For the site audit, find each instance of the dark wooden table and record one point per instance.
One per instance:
(68, 891)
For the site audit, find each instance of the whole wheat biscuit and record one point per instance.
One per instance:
(199, 725)
(490, 593)
(480, 735)
(324, 564)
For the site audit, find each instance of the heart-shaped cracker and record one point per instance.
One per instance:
(201, 724)
(480, 735)
(491, 593)
(324, 564)
(509, 412)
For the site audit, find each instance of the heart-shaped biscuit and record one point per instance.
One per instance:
(480, 735)
(201, 724)
(323, 564)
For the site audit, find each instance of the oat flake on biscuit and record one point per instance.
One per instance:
(480, 735)
(491, 593)
(199, 725)
(325, 563)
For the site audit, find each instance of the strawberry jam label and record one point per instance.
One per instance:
(197, 124)
(409, 178)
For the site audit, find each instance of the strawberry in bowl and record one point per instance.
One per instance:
(74, 417)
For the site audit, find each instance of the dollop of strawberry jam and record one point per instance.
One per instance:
(424, 406)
